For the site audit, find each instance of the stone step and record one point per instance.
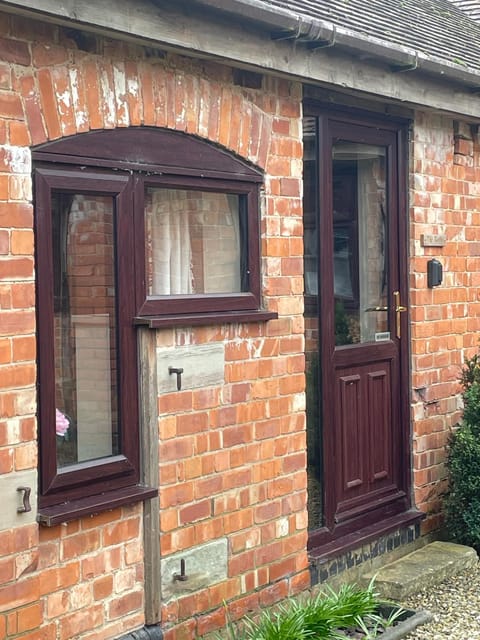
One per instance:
(422, 568)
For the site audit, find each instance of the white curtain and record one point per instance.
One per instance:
(171, 252)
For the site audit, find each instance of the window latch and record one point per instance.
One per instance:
(178, 372)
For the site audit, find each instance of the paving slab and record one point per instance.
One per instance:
(422, 568)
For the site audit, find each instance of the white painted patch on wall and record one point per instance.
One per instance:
(120, 84)
(81, 118)
(19, 159)
(109, 99)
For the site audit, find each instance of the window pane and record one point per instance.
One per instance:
(359, 227)
(194, 242)
(84, 327)
(312, 327)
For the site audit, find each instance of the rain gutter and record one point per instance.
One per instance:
(284, 24)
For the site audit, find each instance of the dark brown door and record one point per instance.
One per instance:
(356, 290)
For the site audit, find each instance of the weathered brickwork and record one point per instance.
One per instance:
(232, 456)
(445, 175)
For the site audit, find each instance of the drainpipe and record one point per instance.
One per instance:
(285, 24)
(150, 632)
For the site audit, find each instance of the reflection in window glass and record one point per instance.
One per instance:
(195, 242)
(312, 329)
(84, 327)
(359, 228)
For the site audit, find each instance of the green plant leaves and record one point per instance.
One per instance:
(462, 501)
(318, 618)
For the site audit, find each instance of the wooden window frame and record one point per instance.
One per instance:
(122, 163)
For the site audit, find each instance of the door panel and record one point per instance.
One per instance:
(355, 284)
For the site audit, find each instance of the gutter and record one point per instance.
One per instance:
(284, 24)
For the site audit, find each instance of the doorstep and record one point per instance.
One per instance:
(422, 568)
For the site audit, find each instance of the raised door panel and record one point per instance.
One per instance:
(363, 443)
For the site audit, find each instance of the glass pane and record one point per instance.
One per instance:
(195, 242)
(312, 337)
(359, 237)
(85, 327)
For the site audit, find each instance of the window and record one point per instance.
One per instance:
(200, 248)
(171, 239)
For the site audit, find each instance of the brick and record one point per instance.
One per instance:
(19, 593)
(29, 618)
(72, 625)
(15, 51)
(7, 565)
(16, 376)
(26, 456)
(16, 268)
(59, 578)
(197, 511)
(211, 621)
(119, 532)
(5, 351)
(23, 348)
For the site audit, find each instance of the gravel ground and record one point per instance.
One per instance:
(455, 605)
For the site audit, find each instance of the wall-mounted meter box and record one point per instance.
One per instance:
(434, 272)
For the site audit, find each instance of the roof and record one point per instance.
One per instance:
(436, 28)
(471, 7)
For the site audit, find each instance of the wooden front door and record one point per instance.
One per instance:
(356, 323)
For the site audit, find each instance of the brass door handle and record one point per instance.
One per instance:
(399, 309)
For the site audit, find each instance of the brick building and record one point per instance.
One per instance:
(239, 274)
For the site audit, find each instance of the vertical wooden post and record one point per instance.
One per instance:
(149, 464)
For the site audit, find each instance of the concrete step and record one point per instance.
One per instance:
(422, 568)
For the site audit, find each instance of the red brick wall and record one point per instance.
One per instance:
(445, 174)
(232, 456)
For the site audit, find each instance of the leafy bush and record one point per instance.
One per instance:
(462, 502)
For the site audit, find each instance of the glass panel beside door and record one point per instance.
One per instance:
(359, 195)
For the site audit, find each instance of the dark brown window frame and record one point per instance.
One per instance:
(174, 305)
(121, 163)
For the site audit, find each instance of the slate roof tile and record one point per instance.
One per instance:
(435, 28)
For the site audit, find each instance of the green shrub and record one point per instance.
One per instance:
(317, 618)
(462, 501)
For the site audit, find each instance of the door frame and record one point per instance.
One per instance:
(398, 177)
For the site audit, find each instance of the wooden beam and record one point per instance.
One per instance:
(147, 354)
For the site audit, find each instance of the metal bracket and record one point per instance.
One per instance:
(26, 500)
(178, 372)
(182, 576)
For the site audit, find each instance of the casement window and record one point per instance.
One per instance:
(133, 227)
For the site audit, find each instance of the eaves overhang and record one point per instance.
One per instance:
(250, 34)
(312, 32)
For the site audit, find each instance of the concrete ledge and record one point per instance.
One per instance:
(422, 568)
